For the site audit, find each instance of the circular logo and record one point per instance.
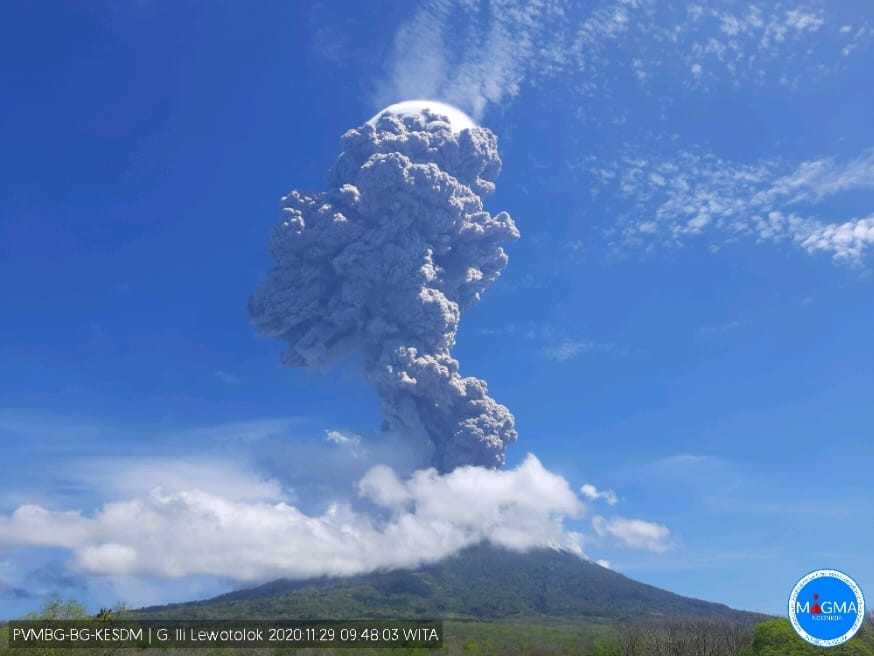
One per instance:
(826, 608)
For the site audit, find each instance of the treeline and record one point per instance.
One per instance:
(684, 637)
(696, 637)
(664, 637)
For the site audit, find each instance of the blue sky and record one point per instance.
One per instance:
(685, 321)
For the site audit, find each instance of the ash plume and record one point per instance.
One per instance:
(383, 263)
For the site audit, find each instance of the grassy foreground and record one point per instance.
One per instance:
(534, 637)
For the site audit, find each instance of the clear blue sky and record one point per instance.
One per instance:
(686, 320)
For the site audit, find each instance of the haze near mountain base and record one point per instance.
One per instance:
(384, 261)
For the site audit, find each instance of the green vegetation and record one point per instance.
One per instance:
(777, 638)
(58, 609)
(480, 583)
(493, 603)
(667, 637)
(772, 637)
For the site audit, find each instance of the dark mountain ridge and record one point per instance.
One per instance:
(481, 582)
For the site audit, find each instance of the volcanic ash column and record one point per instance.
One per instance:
(384, 261)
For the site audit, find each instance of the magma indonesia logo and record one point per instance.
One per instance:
(826, 608)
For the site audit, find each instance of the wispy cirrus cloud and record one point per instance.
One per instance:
(476, 54)
(127, 476)
(471, 55)
(694, 194)
(567, 349)
(561, 344)
(553, 341)
(820, 178)
(227, 378)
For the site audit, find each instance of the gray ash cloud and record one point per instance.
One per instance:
(383, 263)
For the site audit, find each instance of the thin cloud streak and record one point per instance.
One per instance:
(476, 55)
(675, 200)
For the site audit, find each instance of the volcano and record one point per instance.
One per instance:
(483, 582)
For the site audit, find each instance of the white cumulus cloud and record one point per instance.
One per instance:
(420, 519)
(634, 533)
(592, 493)
(342, 438)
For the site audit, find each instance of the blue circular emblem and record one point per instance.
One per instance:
(826, 608)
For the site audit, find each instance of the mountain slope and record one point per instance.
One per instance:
(482, 582)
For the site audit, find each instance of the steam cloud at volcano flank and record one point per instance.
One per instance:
(383, 262)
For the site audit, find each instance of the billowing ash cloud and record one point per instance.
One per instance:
(383, 262)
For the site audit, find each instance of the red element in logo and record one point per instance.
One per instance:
(816, 610)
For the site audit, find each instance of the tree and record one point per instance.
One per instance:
(105, 615)
(117, 612)
(472, 647)
(631, 639)
(54, 608)
(777, 638)
(58, 609)
(683, 637)
(602, 648)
